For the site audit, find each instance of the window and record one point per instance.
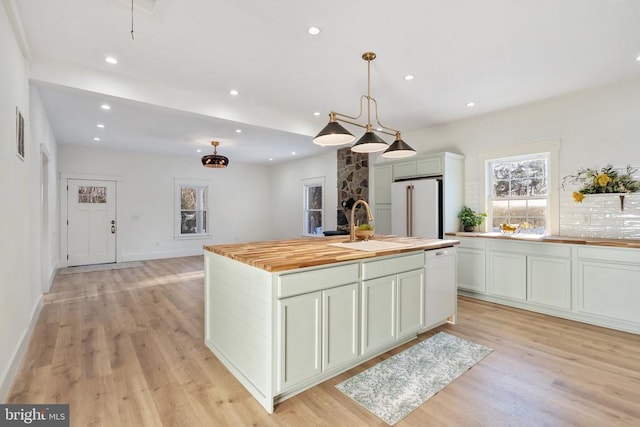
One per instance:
(191, 209)
(521, 186)
(518, 192)
(313, 200)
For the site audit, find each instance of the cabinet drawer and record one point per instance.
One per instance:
(393, 265)
(316, 280)
(429, 167)
(471, 242)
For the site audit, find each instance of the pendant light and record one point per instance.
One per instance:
(215, 160)
(335, 134)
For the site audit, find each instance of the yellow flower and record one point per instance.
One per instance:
(603, 179)
(578, 197)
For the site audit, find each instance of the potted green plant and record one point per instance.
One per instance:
(470, 219)
(364, 231)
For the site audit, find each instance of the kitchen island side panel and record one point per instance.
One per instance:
(239, 322)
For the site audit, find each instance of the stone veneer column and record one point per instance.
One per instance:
(353, 184)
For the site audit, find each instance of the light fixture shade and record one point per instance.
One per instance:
(369, 143)
(333, 134)
(215, 160)
(398, 150)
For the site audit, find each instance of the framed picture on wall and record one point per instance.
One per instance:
(20, 134)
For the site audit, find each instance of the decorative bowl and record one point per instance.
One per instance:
(363, 234)
(509, 228)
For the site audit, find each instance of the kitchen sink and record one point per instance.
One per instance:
(370, 245)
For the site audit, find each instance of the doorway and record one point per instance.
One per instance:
(91, 222)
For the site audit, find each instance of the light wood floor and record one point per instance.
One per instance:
(125, 348)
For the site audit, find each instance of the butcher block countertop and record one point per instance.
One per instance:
(619, 243)
(282, 255)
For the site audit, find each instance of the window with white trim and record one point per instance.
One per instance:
(191, 202)
(313, 202)
(518, 192)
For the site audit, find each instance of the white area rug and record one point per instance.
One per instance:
(395, 387)
(99, 267)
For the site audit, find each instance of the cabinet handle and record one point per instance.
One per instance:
(441, 253)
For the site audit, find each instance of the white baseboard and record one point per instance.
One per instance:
(18, 354)
(160, 255)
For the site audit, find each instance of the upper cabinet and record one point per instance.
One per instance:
(448, 165)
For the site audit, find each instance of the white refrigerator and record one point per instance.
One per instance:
(416, 208)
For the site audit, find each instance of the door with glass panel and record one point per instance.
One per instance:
(91, 222)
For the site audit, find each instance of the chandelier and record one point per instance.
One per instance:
(335, 134)
(215, 160)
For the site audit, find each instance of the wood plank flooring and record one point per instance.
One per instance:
(126, 348)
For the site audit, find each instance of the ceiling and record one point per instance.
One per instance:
(169, 92)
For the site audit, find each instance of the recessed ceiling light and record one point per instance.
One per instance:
(317, 113)
(409, 77)
(313, 31)
(198, 151)
(100, 125)
(233, 92)
(96, 139)
(470, 104)
(271, 159)
(111, 60)
(238, 130)
(638, 58)
(105, 107)
(293, 153)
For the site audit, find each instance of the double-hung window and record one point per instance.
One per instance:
(521, 187)
(191, 201)
(313, 201)
(519, 192)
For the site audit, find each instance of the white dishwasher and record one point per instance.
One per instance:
(440, 297)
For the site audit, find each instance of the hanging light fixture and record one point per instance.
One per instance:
(335, 134)
(215, 160)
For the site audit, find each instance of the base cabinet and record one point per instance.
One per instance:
(410, 306)
(318, 332)
(378, 312)
(549, 281)
(508, 275)
(588, 283)
(340, 326)
(471, 269)
(609, 285)
(280, 333)
(300, 339)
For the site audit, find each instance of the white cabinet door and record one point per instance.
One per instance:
(508, 275)
(471, 270)
(382, 179)
(440, 286)
(299, 320)
(378, 312)
(610, 289)
(549, 281)
(410, 302)
(382, 218)
(340, 325)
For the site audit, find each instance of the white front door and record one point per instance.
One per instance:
(91, 222)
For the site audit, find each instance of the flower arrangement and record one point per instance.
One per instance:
(604, 180)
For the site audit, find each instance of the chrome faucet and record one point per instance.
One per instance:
(352, 225)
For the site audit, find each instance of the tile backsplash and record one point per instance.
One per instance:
(600, 215)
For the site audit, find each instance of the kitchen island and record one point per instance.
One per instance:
(285, 315)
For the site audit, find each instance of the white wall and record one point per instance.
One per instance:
(47, 242)
(238, 195)
(287, 195)
(595, 127)
(22, 278)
